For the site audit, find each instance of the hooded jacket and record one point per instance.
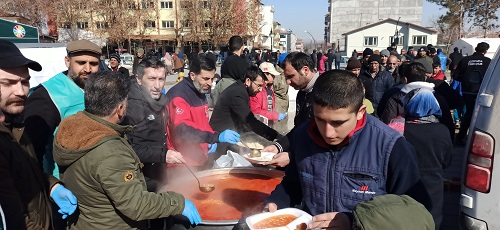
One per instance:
(233, 69)
(104, 173)
(24, 188)
(188, 130)
(148, 138)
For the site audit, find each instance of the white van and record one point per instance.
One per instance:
(480, 198)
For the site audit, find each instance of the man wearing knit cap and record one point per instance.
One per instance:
(114, 65)
(139, 55)
(354, 66)
(376, 80)
(384, 55)
(423, 58)
(59, 97)
(366, 54)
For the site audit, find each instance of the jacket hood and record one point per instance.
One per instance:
(234, 67)
(417, 84)
(82, 132)
(136, 93)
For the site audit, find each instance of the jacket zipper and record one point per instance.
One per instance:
(329, 200)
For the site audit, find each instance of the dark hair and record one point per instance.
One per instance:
(415, 72)
(298, 60)
(436, 64)
(338, 89)
(149, 62)
(253, 72)
(104, 91)
(482, 47)
(202, 62)
(402, 69)
(235, 43)
(432, 50)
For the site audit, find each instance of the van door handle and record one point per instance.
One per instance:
(485, 100)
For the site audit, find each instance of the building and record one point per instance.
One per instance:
(288, 41)
(266, 25)
(380, 35)
(347, 15)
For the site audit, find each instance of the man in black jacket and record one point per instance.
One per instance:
(114, 65)
(470, 71)
(146, 111)
(232, 111)
(455, 57)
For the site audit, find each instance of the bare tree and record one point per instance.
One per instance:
(220, 24)
(33, 11)
(483, 14)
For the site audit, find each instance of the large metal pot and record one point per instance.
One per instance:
(241, 190)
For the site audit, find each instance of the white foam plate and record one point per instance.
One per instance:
(302, 217)
(264, 157)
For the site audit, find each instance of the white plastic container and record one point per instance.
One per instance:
(302, 217)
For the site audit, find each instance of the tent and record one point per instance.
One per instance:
(17, 32)
(467, 45)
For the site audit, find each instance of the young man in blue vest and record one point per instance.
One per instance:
(59, 97)
(342, 156)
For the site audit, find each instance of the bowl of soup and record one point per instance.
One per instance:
(283, 219)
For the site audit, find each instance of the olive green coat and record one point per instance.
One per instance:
(104, 173)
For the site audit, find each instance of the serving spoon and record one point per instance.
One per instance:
(206, 188)
(254, 153)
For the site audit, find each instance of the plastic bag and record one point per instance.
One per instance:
(231, 160)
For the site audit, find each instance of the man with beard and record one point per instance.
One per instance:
(25, 190)
(146, 111)
(232, 111)
(59, 97)
(376, 80)
(188, 129)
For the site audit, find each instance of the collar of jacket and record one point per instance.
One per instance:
(314, 133)
(139, 94)
(121, 129)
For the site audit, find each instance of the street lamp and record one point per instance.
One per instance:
(271, 36)
(314, 40)
(396, 35)
(182, 42)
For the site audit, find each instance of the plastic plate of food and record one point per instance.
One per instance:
(264, 157)
(283, 219)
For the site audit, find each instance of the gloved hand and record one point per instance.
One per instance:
(65, 200)
(229, 136)
(191, 212)
(212, 148)
(281, 116)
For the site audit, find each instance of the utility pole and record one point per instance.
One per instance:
(315, 45)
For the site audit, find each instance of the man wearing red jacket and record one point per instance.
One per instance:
(437, 73)
(188, 130)
(264, 102)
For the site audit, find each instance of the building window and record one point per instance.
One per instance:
(146, 5)
(102, 25)
(208, 24)
(150, 24)
(167, 24)
(371, 41)
(132, 6)
(400, 40)
(282, 36)
(65, 25)
(204, 4)
(420, 40)
(166, 5)
(186, 23)
(82, 25)
(82, 6)
(186, 5)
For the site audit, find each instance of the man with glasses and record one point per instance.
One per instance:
(232, 110)
(58, 98)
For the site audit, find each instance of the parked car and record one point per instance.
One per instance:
(343, 62)
(127, 59)
(480, 198)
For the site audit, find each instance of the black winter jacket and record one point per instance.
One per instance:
(148, 138)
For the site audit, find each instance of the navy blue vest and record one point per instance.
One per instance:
(337, 180)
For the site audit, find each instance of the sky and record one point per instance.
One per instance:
(302, 15)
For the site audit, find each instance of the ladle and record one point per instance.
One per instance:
(206, 188)
(254, 153)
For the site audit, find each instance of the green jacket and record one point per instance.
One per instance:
(220, 87)
(102, 170)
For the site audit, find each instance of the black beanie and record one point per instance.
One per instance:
(353, 63)
(115, 56)
(367, 51)
(375, 57)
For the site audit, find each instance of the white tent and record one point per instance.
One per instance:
(467, 45)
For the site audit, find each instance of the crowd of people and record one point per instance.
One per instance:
(91, 149)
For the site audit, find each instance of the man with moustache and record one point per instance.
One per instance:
(188, 129)
(25, 191)
(59, 97)
(232, 111)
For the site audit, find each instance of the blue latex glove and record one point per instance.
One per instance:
(281, 116)
(191, 212)
(229, 136)
(65, 200)
(212, 148)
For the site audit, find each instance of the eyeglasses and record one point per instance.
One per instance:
(258, 86)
